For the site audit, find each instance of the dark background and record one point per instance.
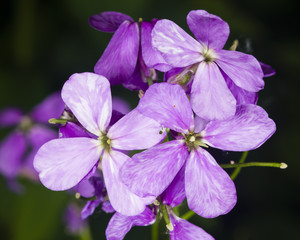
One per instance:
(44, 42)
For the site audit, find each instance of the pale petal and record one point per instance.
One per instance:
(243, 69)
(208, 28)
(177, 47)
(89, 98)
(119, 225)
(12, 149)
(184, 230)
(135, 131)
(210, 96)
(168, 104)
(247, 130)
(150, 172)
(119, 59)
(108, 21)
(200, 124)
(209, 190)
(52, 107)
(63, 163)
(121, 198)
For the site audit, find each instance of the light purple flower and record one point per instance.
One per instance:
(213, 68)
(30, 133)
(126, 58)
(63, 163)
(209, 190)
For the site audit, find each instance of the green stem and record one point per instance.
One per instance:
(150, 81)
(255, 164)
(238, 169)
(165, 214)
(85, 234)
(154, 229)
(188, 215)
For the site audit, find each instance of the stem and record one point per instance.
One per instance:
(255, 164)
(154, 229)
(165, 214)
(85, 234)
(188, 215)
(238, 169)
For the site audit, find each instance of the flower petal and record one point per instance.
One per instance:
(119, 225)
(151, 56)
(186, 230)
(51, 107)
(121, 198)
(177, 47)
(247, 130)
(89, 98)
(210, 96)
(120, 105)
(209, 190)
(208, 28)
(241, 95)
(175, 192)
(71, 129)
(243, 69)
(119, 59)
(267, 70)
(63, 163)
(150, 172)
(89, 208)
(12, 149)
(10, 117)
(108, 21)
(168, 104)
(135, 132)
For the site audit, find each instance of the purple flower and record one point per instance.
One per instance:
(209, 190)
(30, 133)
(120, 225)
(128, 53)
(73, 221)
(63, 163)
(220, 76)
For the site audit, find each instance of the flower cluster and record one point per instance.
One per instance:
(143, 163)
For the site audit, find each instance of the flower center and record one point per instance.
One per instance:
(105, 141)
(193, 140)
(208, 54)
(25, 124)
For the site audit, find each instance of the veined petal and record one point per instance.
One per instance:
(135, 132)
(168, 104)
(51, 107)
(186, 230)
(243, 69)
(119, 59)
(108, 21)
(151, 56)
(210, 96)
(209, 190)
(150, 172)
(12, 149)
(200, 124)
(175, 192)
(10, 116)
(208, 28)
(89, 98)
(89, 208)
(63, 163)
(247, 130)
(119, 225)
(121, 198)
(177, 47)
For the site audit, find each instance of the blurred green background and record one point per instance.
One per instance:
(43, 42)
